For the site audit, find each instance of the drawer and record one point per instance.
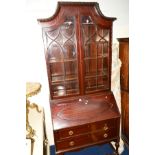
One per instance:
(93, 127)
(70, 132)
(88, 139)
(103, 135)
(73, 142)
(103, 125)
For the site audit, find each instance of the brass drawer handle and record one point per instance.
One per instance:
(105, 127)
(105, 135)
(71, 143)
(70, 132)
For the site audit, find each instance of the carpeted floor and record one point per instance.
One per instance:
(95, 150)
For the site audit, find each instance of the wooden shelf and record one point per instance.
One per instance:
(64, 78)
(98, 57)
(62, 61)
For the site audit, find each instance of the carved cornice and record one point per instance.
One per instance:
(89, 4)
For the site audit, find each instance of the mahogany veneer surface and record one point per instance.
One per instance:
(82, 110)
(84, 121)
(124, 81)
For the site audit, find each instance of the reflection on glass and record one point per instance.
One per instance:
(69, 50)
(72, 86)
(90, 67)
(96, 49)
(59, 89)
(57, 68)
(90, 83)
(71, 68)
(61, 46)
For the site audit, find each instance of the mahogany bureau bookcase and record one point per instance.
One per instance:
(77, 41)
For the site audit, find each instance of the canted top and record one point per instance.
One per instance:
(75, 8)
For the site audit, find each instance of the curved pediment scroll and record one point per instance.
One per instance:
(75, 8)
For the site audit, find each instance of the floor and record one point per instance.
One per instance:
(94, 150)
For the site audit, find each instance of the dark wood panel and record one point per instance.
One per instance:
(124, 56)
(124, 81)
(86, 109)
(86, 139)
(71, 132)
(125, 113)
(88, 128)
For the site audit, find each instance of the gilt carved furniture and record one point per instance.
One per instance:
(77, 41)
(37, 142)
(32, 88)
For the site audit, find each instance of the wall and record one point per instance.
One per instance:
(36, 67)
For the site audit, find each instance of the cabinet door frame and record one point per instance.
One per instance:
(78, 9)
(82, 54)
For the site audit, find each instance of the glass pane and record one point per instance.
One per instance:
(55, 52)
(90, 32)
(90, 50)
(59, 89)
(67, 29)
(88, 28)
(69, 50)
(105, 63)
(90, 84)
(96, 58)
(103, 34)
(102, 67)
(71, 68)
(102, 49)
(72, 86)
(57, 78)
(105, 48)
(57, 69)
(62, 54)
(90, 67)
(101, 82)
(71, 77)
(52, 34)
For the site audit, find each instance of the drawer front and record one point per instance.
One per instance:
(80, 130)
(65, 133)
(103, 125)
(104, 135)
(73, 142)
(87, 139)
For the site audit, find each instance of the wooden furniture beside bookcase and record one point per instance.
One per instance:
(77, 41)
(124, 79)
